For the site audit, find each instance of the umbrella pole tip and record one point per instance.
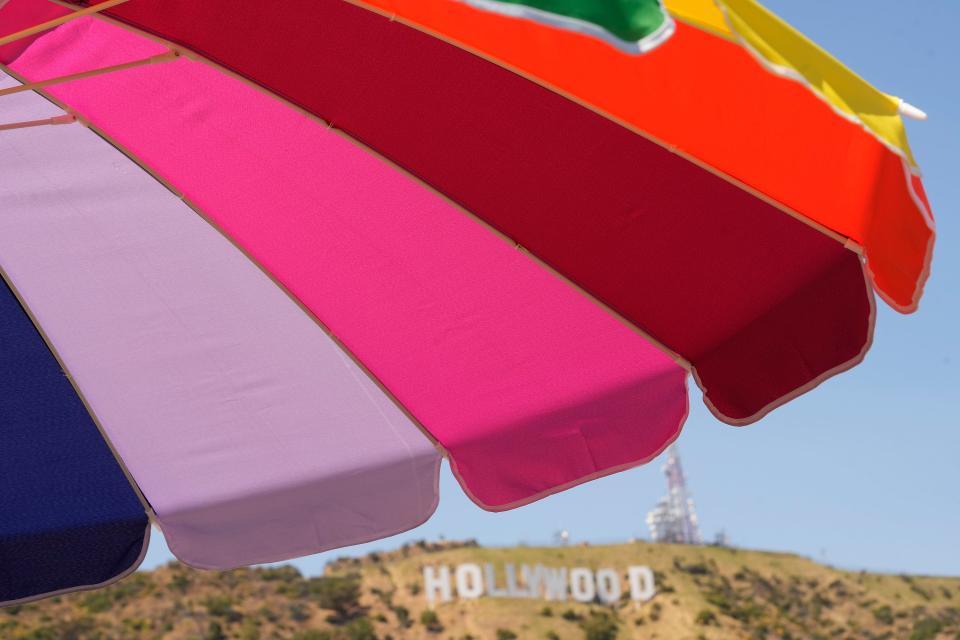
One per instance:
(907, 110)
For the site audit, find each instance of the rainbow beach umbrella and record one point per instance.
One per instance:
(265, 265)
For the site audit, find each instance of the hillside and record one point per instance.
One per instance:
(702, 592)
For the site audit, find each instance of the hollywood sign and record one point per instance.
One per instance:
(469, 581)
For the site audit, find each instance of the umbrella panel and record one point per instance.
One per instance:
(68, 517)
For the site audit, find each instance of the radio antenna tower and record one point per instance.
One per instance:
(673, 519)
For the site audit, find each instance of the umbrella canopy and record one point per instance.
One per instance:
(296, 256)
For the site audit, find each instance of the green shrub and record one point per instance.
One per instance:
(298, 612)
(697, 569)
(706, 617)
(926, 629)
(282, 574)
(215, 632)
(506, 634)
(430, 620)
(180, 583)
(250, 629)
(222, 607)
(403, 616)
(655, 611)
(340, 594)
(546, 612)
(41, 633)
(76, 629)
(97, 602)
(312, 634)
(137, 624)
(359, 629)
(386, 597)
(920, 591)
(820, 600)
(883, 614)
(747, 613)
(268, 614)
(293, 589)
(599, 626)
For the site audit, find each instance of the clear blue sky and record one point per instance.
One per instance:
(864, 472)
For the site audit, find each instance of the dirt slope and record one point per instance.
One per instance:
(702, 592)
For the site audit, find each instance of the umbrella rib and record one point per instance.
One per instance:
(30, 86)
(64, 119)
(56, 22)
